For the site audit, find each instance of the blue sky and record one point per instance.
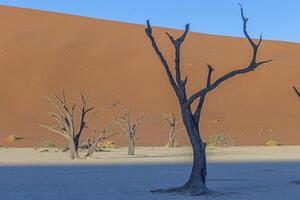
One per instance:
(276, 19)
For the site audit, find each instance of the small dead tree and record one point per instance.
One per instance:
(67, 126)
(172, 122)
(98, 136)
(66, 122)
(129, 127)
(196, 184)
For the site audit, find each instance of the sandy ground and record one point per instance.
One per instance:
(30, 156)
(236, 173)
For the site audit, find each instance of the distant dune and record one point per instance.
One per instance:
(112, 61)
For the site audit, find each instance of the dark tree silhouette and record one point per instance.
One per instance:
(196, 184)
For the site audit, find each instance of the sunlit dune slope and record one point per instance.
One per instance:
(112, 61)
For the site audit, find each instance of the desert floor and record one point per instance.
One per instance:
(233, 173)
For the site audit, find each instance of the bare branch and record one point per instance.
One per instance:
(111, 135)
(73, 108)
(179, 41)
(124, 121)
(121, 125)
(50, 128)
(65, 99)
(185, 81)
(171, 38)
(137, 123)
(104, 131)
(296, 91)
(170, 119)
(148, 32)
(245, 21)
(83, 113)
(251, 67)
(202, 98)
(178, 131)
(60, 119)
(177, 44)
(101, 109)
(53, 102)
(62, 102)
(65, 119)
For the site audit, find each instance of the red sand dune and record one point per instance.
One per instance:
(113, 61)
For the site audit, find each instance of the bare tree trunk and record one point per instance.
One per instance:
(131, 143)
(91, 151)
(73, 150)
(171, 142)
(196, 183)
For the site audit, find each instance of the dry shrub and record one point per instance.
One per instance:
(219, 140)
(48, 144)
(272, 143)
(10, 138)
(109, 144)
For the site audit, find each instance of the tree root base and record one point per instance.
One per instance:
(189, 191)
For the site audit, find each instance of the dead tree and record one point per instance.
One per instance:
(66, 122)
(172, 122)
(129, 127)
(67, 126)
(196, 184)
(98, 136)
